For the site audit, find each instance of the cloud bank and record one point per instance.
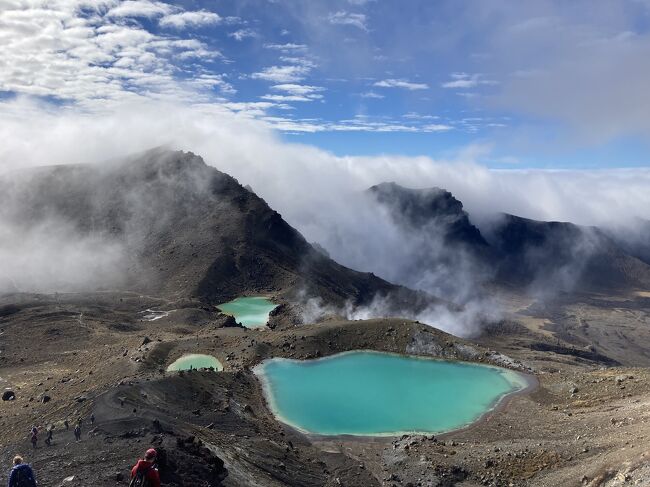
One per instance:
(315, 191)
(283, 173)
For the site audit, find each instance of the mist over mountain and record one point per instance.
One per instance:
(415, 209)
(164, 222)
(560, 255)
(634, 239)
(543, 257)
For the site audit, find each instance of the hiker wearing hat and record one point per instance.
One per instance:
(145, 473)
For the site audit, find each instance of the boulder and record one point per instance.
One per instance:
(229, 322)
(8, 395)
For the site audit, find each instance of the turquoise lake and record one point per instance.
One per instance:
(251, 312)
(195, 361)
(373, 393)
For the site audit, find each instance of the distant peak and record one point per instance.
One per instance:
(419, 207)
(393, 187)
(433, 198)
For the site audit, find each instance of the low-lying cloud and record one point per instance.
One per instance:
(315, 191)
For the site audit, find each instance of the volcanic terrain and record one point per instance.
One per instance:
(186, 237)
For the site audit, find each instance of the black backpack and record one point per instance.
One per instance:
(140, 479)
(23, 478)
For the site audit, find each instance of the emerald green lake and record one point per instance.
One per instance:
(373, 393)
(195, 361)
(251, 312)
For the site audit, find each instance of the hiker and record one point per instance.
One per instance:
(77, 432)
(21, 474)
(145, 473)
(92, 418)
(34, 437)
(48, 437)
(66, 424)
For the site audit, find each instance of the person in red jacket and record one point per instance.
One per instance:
(148, 468)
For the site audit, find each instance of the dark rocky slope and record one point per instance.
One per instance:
(564, 255)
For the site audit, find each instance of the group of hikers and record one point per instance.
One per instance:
(49, 432)
(143, 474)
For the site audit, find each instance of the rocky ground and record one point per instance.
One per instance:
(69, 355)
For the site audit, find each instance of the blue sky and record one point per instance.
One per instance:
(549, 84)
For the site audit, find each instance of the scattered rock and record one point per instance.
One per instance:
(8, 395)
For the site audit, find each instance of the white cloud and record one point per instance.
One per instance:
(419, 116)
(286, 98)
(400, 83)
(52, 50)
(282, 74)
(465, 81)
(295, 92)
(357, 124)
(197, 18)
(296, 89)
(436, 127)
(252, 109)
(213, 81)
(241, 34)
(288, 47)
(303, 61)
(139, 8)
(347, 18)
(371, 94)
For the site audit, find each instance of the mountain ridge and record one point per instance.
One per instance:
(520, 251)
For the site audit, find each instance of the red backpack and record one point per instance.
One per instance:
(141, 479)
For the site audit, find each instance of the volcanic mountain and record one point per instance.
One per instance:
(174, 227)
(519, 251)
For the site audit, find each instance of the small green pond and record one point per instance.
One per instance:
(373, 393)
(195, 361)
(251, 312)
